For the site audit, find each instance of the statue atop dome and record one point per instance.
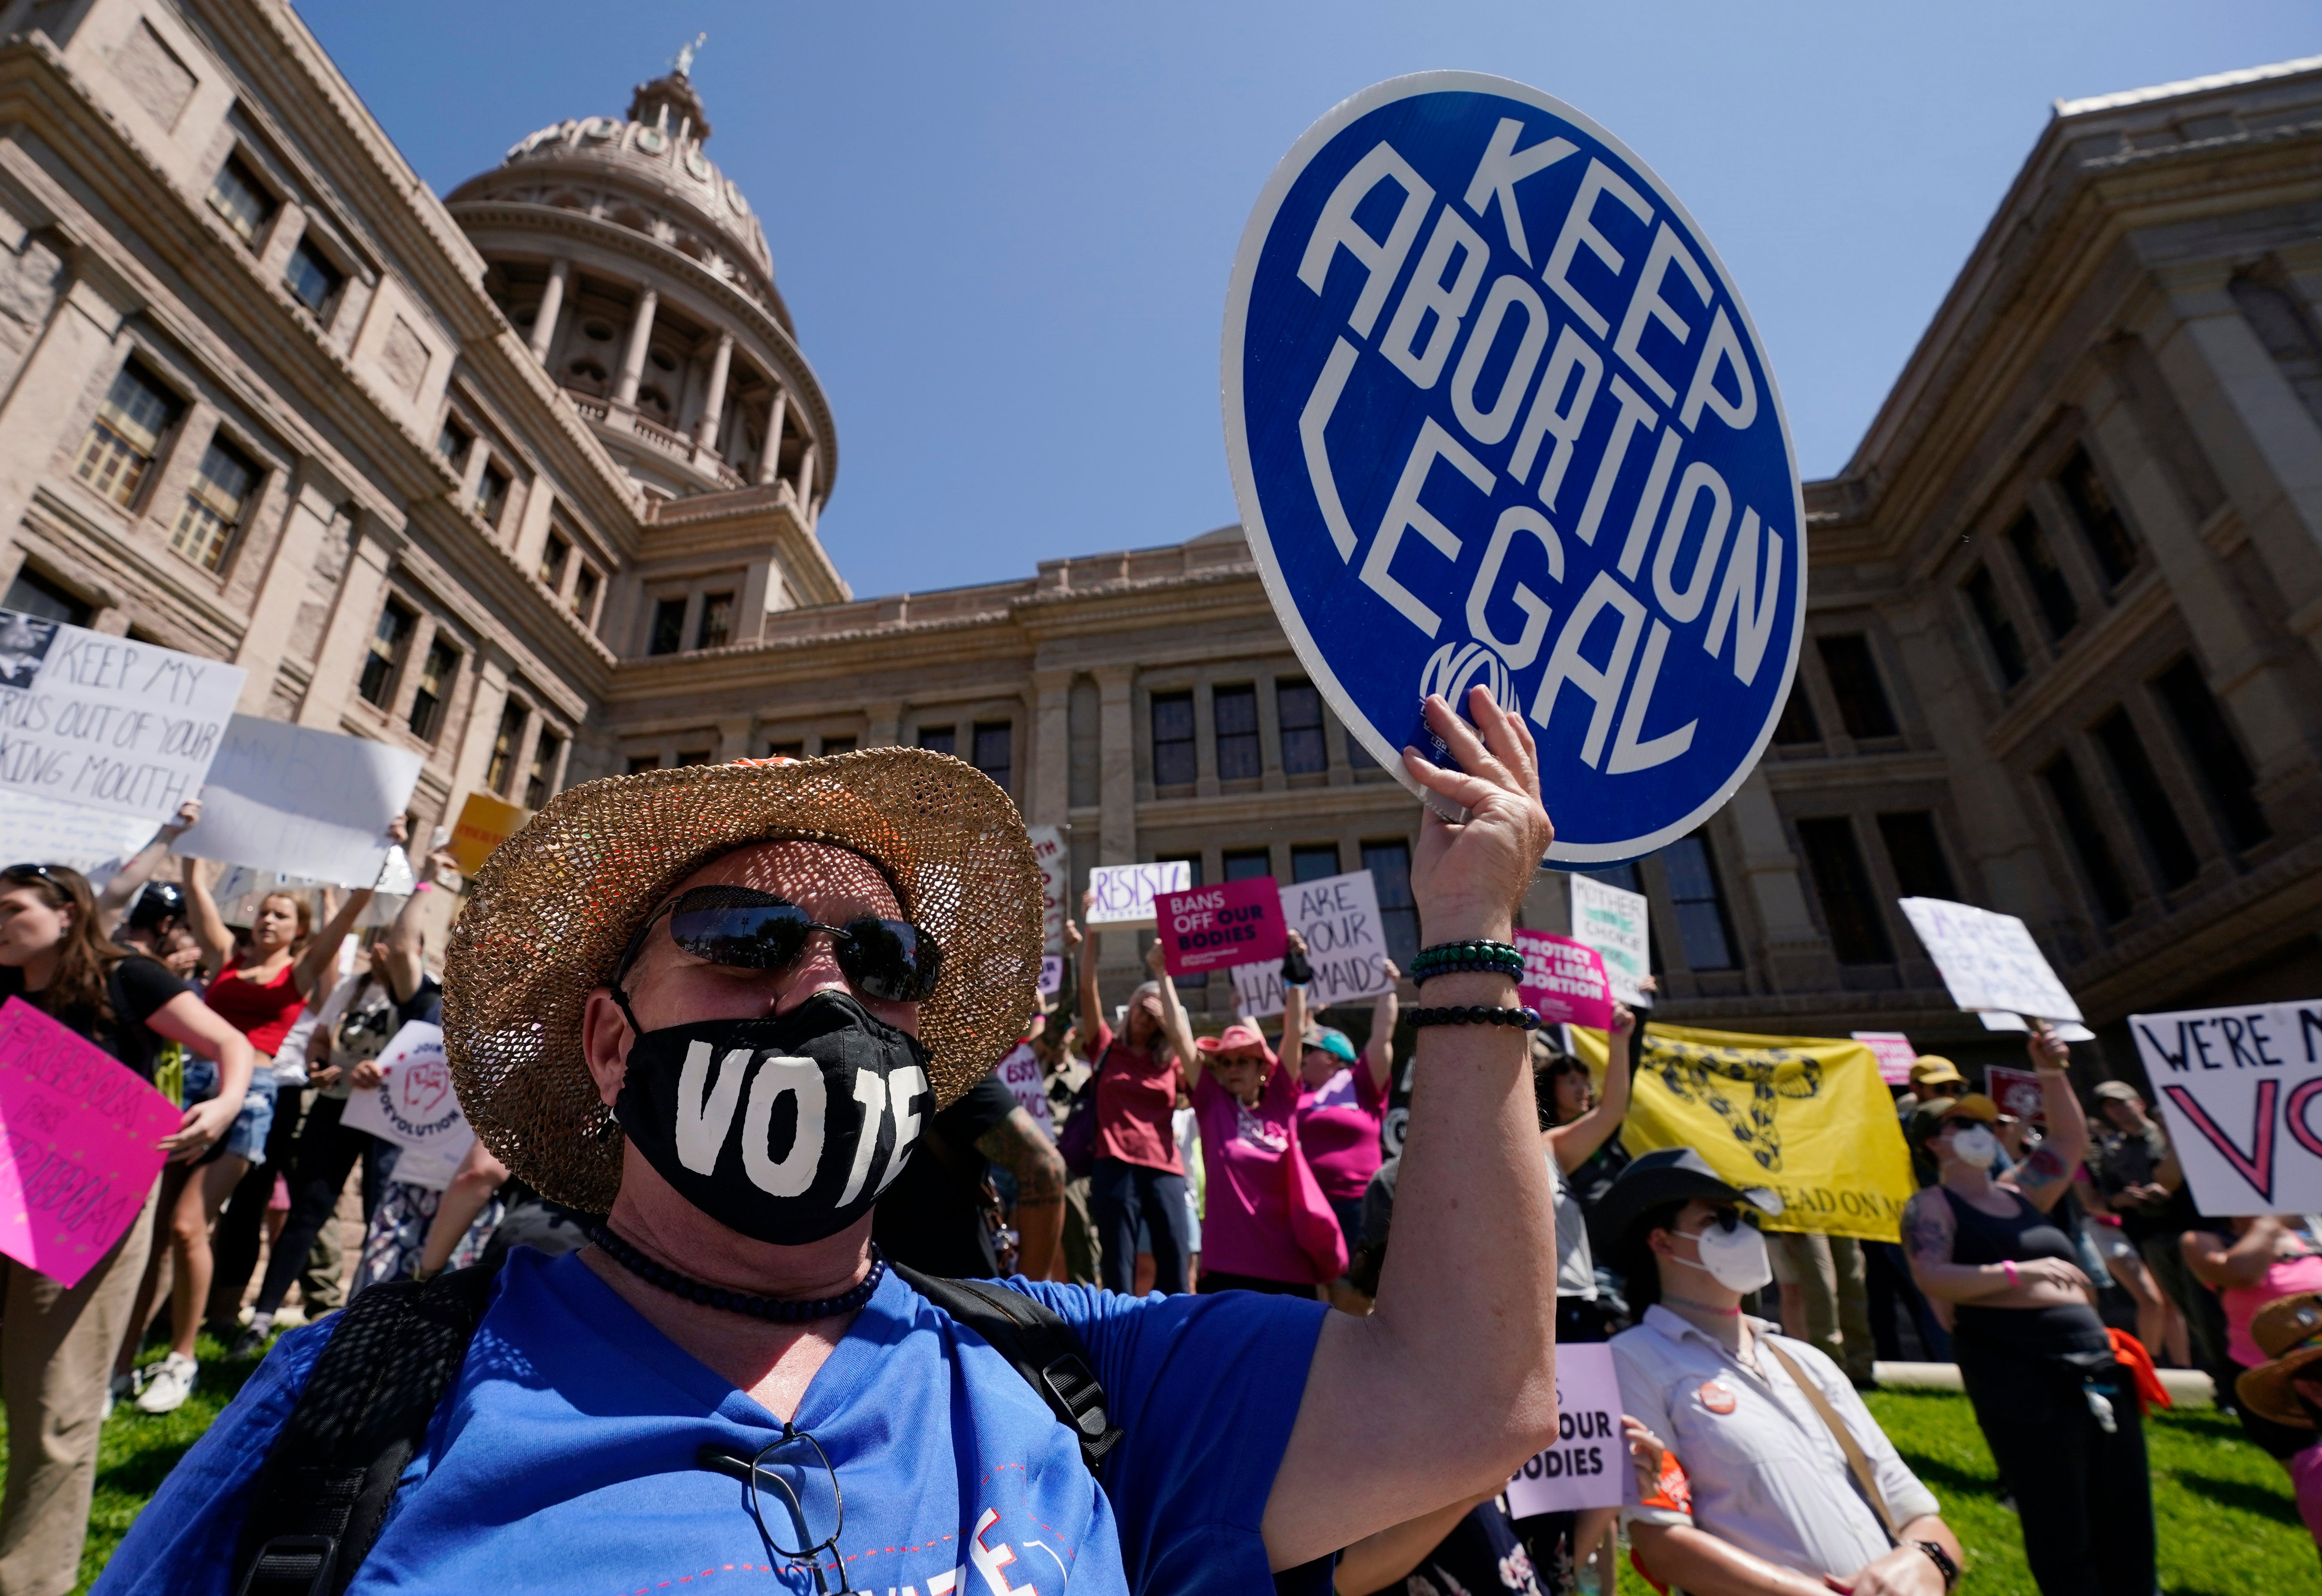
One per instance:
(670, 102)
(681, 64)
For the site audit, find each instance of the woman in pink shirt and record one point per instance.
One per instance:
(1341, 1104)
(1137, 1174)
(2250, 1262)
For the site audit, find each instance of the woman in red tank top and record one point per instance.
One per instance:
(262, 994)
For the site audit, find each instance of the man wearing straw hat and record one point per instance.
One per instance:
(718, 1005)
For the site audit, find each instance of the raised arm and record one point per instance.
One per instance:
(121, 890)
(1092, 1001)
(1449, 1384)
(208, 925)
(1293, 1006)
(406, 961)
(318, 967)
(1175, 1025)
(1378, 1053)
(1574, 1144)
(2045, 1176)
(479, 1175)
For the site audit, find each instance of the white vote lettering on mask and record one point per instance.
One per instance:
(910, 1084)
(794, 1171)
(701, 1126)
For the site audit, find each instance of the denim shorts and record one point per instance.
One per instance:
(246, 1138)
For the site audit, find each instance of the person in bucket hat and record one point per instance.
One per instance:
(2286, 1389)
(717, 1005)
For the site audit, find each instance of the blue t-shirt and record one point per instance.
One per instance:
(564, 1460)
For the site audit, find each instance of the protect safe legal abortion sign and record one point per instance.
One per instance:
(1496, 415)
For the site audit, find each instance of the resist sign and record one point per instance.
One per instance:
(2238, 1089)
(1496, 415)
(82, 1144)
(1565, 981)
(1590, 1459)
(1123, 894)
(1217, 927)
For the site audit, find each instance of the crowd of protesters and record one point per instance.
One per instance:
(2058, 1263)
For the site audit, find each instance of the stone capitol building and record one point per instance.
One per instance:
(526, 479)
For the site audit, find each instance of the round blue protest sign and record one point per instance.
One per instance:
(1496, 415)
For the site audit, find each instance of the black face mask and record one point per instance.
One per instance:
(785, 1128)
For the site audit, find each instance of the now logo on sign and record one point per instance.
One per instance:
(1497, 417)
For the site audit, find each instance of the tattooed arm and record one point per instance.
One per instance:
(1018, 1145)
(1929, 1229)
(2045, 1176)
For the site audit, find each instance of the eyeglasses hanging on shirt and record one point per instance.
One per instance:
(794, 1477)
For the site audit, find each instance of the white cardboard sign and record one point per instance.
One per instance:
(1612, 920)
(108, 723)
(1988, 961)
(415, 1107)
(1055, 883)
(306, 803)
(2237, 1089)
(1125, 892)
(50, 833)
(1339, 915)
(1590, 1460)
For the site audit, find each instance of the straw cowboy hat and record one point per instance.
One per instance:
(550, 911)
(2288, 1331)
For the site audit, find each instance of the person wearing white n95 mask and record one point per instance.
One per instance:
(1760, 1470)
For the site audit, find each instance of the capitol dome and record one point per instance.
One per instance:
(641, 276)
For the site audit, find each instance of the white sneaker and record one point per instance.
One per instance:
(118, 1386)
(168, 1384)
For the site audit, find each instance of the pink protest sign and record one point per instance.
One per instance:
(1894, 1052)
(1565, 981)
(1217, 927)
(81, 1147)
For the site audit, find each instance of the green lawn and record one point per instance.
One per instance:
(2227, 1522)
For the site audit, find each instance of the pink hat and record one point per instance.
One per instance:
(1236, 1038)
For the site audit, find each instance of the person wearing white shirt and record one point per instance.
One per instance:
(1788, 1485)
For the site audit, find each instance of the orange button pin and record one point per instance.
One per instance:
(1716, 1396)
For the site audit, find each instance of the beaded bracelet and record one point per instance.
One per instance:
(1447, 958)
(1527, 1019)
(1469, 967)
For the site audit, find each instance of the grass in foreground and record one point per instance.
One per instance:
(2227, 1522)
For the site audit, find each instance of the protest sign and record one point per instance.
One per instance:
(2065, 1030)
(1805, 1115)
(415, 1107)
(2017, 1092)
(1617, 550)
(1894, 1052)
(1125, 892)
(2237, 1089)
(1612, 920)
(484, 824)
(1338, 916)
(1564, 980)
(1052, 973)
(54, 832)
(108, 723)
(1988, 961)
(1208, 928)
(1055, 883)
(1021, 1075)
(309, 804)
(79, 1144)
(1590, 1460)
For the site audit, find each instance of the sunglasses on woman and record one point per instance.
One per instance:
(892, 960)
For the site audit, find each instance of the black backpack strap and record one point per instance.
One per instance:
(1043, 1348)
(326, 1484)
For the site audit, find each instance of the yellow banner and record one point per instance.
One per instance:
(1807, 1115)
(484, 824)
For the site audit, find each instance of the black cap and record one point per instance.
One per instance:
(159, 901)
(1667, 1175)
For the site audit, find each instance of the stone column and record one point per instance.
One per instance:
(770, 459)
(1049, 759)
(75, 346)
(354, 615)
(486, 696)
(882, 723)
(806, 480)
(713, 399)
(1797, 956)
(632, 357)
(735, 736)
(551, 306)
(308, 525)
(1117, 790)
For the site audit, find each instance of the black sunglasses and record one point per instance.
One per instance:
(892, 960)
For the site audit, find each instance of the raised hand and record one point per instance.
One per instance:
(1468, 877)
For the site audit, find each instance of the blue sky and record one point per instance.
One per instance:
(1004, 229)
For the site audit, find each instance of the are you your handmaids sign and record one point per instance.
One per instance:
(1496, 414)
